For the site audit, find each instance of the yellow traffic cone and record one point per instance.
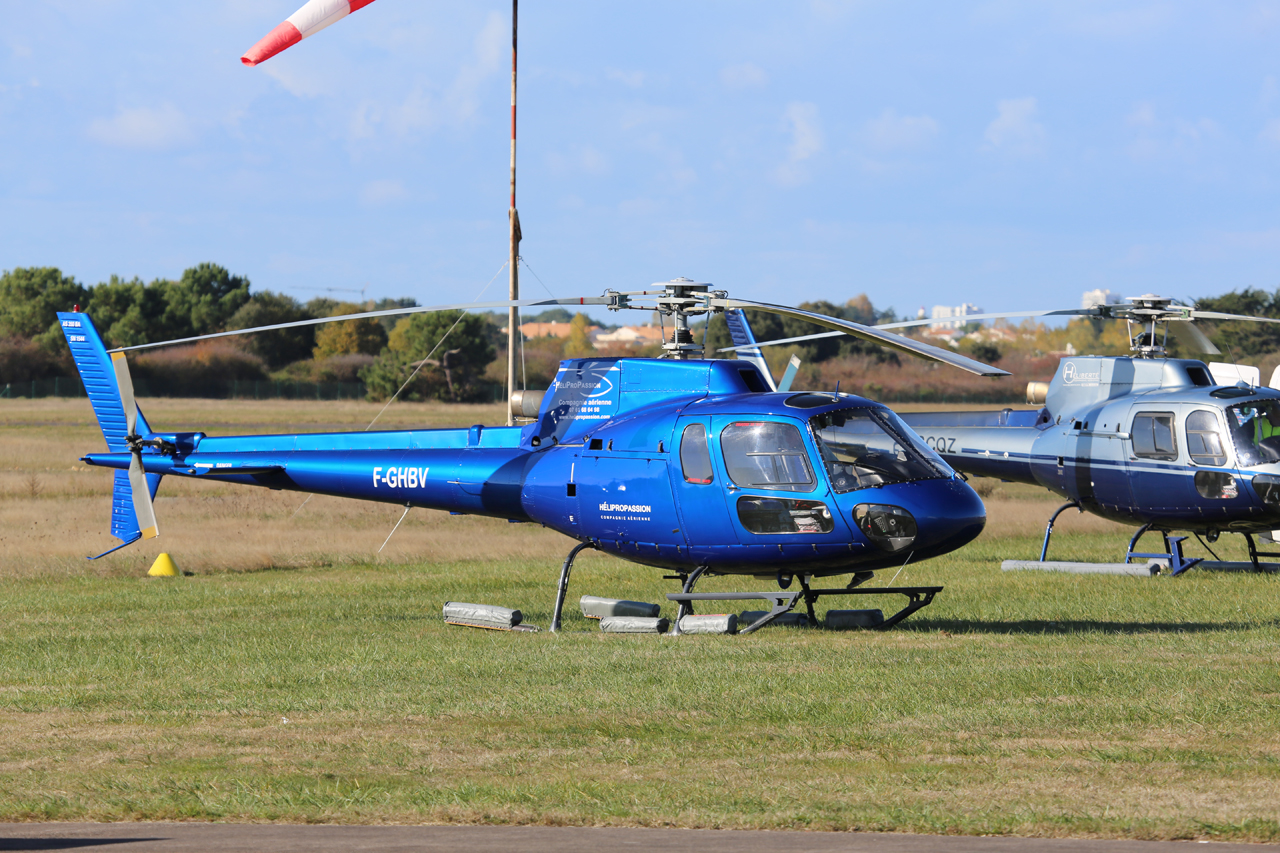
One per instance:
(163, 567)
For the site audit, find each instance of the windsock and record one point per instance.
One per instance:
(309, 20)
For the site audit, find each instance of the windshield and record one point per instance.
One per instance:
(1255, 431)
(862, 448)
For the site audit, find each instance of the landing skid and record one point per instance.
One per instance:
(784, 602)
(1172, 552)
(1171, 555)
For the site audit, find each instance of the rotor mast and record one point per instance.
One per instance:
(513, 259)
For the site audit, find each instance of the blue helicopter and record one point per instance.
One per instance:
(690, 465)
(1145, 439)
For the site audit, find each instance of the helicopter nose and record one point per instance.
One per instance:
(956, 516)
(927, 518)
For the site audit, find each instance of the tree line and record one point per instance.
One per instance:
(453, 355)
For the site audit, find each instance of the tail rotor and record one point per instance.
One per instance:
(142, 507)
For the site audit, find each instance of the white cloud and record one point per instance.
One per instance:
(143, 127)
(1143, 115)
(806, 141)
(302, 77)
(892, 132)
(584, 160)
(1271, 133)
(1267, 96)
(1015, 129)
(491, 42)
(745, 75)
(1112, 23)
(424, 110)
(463, 97)
(630, 79)
(379, 193)
(1157, 139)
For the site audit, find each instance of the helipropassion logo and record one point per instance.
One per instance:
(1072, 375)
(608, 507)
(598, 388)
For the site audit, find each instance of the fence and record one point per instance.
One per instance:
(263, 389)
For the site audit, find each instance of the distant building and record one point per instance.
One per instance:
(629, 335)
(551, 330)
(1099, 297)
(943, 314)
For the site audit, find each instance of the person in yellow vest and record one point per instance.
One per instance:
(1266, 423)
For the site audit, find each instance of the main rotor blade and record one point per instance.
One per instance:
(906, 324)
(1190, 335)
(125, 385)
(1218, 315)
(142, 508)
(887, 339)
(391, 312)
(313, 17)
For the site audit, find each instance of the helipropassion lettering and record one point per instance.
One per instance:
(608, 507)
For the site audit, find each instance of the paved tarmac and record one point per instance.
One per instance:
(250, 838)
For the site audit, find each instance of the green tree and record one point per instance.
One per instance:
(1241, 337)
(578, 344)
(282, 346)
(455, 358)
(350, 337)
(30, 299)
(128, 312)
(203, 300)
(982, 351)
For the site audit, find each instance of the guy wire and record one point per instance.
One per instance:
(410, 379)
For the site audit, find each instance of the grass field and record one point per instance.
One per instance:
(296, 675)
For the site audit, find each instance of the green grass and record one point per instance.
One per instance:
(1017, 703)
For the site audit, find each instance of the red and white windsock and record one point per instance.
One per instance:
(307, 21)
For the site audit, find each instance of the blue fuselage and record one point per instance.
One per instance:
(608, 467)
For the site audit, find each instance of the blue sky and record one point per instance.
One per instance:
(1009, 154)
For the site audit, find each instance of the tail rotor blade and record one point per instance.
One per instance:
(125, 383)
(790, 376)
(142, 508)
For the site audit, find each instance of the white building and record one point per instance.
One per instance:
(944, 313)
(1099, 297)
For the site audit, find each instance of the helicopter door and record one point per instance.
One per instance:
(1156, 475)
(1216, 481)
(771, 485)
(699, 488)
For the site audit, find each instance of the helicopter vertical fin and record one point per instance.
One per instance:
(740, 331)
(98, 375)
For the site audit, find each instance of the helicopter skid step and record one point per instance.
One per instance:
(783, 602)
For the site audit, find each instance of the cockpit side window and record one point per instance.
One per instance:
(1204, 439)
(695, 458)
(1153, 436)
(1255, 431)
(767, 455)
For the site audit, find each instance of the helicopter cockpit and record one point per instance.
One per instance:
(1255, 431)
(863, 448)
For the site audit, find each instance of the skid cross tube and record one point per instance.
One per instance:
(564, 583)
(1172, 551)
(783, 602)
(1048, 531)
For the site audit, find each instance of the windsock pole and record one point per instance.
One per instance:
(513, 261)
